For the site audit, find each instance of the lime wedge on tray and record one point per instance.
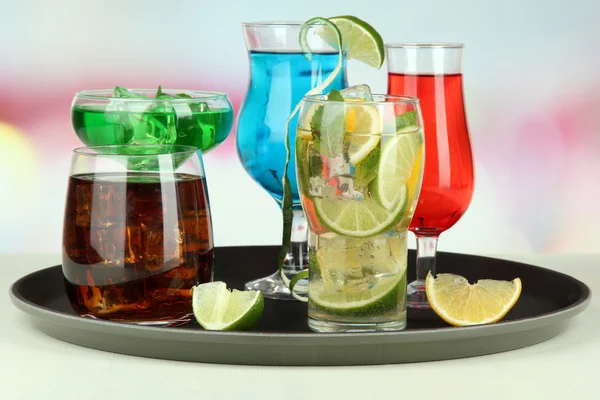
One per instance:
(218, 309)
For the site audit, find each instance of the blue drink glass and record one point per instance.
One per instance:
(280, 76)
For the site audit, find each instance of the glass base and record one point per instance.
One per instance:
(272, 287)
(416, 297)
(158, 323)
(318, 325)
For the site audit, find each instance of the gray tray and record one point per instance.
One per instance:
(549, 299)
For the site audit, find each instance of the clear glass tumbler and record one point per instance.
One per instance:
(137, 233)
(359, 170)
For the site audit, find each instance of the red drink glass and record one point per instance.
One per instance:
(433, 73)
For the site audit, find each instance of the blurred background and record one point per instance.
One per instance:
(532, 87)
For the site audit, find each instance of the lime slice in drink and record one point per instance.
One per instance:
(382, 297)
(359, 218)
(360, 40)
(396, 164)
(363, 127)
(218, 309)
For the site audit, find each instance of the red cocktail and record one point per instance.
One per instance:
(433, 73)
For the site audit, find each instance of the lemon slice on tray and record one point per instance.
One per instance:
(460, 303)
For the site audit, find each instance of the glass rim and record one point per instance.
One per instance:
(391, 99)
(86, 150)
(200, 95)
(425, 45)
(276, 24)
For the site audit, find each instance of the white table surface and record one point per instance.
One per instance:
(36, 366)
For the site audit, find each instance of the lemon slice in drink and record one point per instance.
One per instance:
(459, 303)
(363, 127)
(396, 166)
(360, 40)
(383, 296)
(359, 218)
(218, 309)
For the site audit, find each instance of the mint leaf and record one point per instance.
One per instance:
(335, 95)
(407, 119)
(183, 96)
(327, 126)
(308, 162)
(366, 170)
(315, 165)
(315, 127)
(331, 140)
(160, 95)
(317, 142)
(315, 122)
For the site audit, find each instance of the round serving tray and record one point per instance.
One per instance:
(549, 299)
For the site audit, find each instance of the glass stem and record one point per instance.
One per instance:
(426, 249)
(297, 257)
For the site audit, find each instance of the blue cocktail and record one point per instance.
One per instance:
(280, 76)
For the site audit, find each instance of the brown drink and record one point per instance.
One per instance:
(134, 244)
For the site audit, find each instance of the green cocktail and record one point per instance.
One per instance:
(194, 118)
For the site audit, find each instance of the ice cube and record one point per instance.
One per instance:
(144, 122)
(315, 186)
(345, 187)
(153, 246)
(399, 248)
(109, 243)
(182, 110)
(333, 257)
(339, 261)
(156, 125)
(108, 203)
(338, 166)
(133, 245)
(117, 118)
(340, 181)
(123, 93)
(359, 285)
(124, 106)
(361, 92)
(382, 256)
(83, 197)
